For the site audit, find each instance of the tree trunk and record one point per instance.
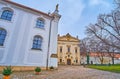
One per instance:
(113, 60)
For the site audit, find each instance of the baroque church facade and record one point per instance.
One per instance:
(68, 50)
(28, 37)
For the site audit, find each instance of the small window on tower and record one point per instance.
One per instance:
(75, 50)
(68, 48)
(61, 49)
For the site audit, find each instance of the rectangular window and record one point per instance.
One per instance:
(75, 50)
(40, 23)
(68, 49)
(60, 49)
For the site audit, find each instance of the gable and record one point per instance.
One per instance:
(68, 37)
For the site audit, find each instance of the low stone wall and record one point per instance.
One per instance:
(22, 68)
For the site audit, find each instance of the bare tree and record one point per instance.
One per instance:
(107, 26)
(107, 33)
(84, 46)
(99, 49)
(93, 45)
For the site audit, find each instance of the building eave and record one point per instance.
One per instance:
(25, 7)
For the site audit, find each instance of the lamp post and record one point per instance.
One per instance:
(88, 58)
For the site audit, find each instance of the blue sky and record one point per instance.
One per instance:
(76, 14)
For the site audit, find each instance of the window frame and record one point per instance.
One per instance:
(38, 24)
(37, 40)
(76, 50)
(7, 15)
(60, 49)
(3, 39)
(7, 8)
(68, 48)
(76, 60)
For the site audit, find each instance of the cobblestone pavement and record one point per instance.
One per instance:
(68, 72)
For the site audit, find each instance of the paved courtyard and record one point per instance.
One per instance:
(68, 72)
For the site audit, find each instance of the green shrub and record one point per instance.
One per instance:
(51, 67)
(7, 71)
(37, 69)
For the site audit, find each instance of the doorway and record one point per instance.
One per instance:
(68, 61)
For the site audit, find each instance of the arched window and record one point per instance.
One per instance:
(7, 15)
(40, 23)
(2, 36)
(37, 42)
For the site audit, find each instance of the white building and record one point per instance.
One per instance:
(28, 37)
(98, 58)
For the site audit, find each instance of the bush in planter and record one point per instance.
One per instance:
(7, 72)
(37, 70)
(51, 67)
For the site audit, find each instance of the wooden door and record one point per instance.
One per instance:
(68, 61)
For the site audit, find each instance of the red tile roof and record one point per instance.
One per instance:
(19, 5)
(93, 54)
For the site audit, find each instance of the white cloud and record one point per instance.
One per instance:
(72, 11)
(99, 2)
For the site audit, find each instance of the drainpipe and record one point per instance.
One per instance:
(47, 61)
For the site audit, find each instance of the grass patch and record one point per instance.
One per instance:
(111, 68)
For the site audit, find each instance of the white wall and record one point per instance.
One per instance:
(20, 32)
